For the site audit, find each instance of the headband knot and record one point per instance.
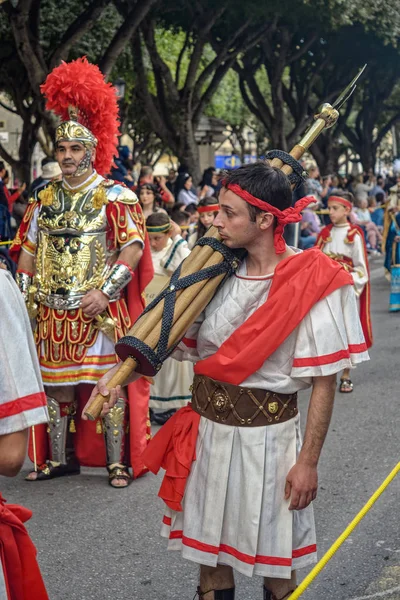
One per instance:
(283, 217)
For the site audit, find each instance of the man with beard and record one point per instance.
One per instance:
(83, 262)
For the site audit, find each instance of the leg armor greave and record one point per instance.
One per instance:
(58, 431)
(114, 427)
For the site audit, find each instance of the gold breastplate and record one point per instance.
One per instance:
(72, 256)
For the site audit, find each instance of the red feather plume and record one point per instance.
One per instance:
(81, 84)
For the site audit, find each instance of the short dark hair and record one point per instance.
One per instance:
(157, 219)
(181, 217)
(2, 166)
(263, 181)
(191, 208)
(177, 207)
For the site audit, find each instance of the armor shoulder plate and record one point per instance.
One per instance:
(121, 193)
(35, 196)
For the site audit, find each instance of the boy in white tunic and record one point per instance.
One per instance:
(239, 481)
(171, 389)
(344, 242)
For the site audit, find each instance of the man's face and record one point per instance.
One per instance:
(69, 155)
(233, 221)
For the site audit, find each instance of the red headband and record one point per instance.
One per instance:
(283, 217)
(207, 209)
(340, 200)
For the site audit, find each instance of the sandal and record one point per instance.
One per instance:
(50, 470)
(346, 386)
(118, 472)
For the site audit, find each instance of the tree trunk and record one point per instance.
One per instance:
(189, 155)
(367, 154)
(326, 151)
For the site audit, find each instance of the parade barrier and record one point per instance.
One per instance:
(6, 243)
(343, 537)
(192, 286)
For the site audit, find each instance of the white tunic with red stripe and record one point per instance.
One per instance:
(22, 399)
(234, 510)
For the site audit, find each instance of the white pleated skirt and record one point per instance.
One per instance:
(171, 388)
(234, 511)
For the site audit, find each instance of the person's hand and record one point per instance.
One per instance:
(94, 303)
(397, 238)
(175, 229)
(161, 181)
(203, 192)
(110, 396)
(22, 188)
(301, 485)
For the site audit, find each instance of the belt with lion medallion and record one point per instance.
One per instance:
(240, 406)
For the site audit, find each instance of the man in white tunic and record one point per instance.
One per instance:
(22, 405)
(239, 480)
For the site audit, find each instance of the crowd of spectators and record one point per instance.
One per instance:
(370, 194)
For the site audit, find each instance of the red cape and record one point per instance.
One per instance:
(89, 445)
(18, 555)
(365, 298)
(299, 282)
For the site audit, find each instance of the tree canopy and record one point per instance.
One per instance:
(260, 66)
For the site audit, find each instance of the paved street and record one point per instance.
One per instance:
(97, 543)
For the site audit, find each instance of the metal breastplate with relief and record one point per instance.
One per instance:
(72, 256)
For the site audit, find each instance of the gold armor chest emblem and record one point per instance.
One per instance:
(72, 250)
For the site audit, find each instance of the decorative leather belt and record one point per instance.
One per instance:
(240, 406)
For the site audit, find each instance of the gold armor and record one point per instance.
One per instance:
(72, 255)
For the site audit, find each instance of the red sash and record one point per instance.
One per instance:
(299, 282)
(18, 555)
(173, 448)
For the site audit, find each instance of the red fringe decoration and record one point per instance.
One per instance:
(81, 84)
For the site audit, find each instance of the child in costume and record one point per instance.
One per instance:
(168, 249)
(208, 209)
(345, 243)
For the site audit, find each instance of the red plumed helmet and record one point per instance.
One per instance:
(81, 85)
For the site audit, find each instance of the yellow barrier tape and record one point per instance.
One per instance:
(6, 243)
(342, 538)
